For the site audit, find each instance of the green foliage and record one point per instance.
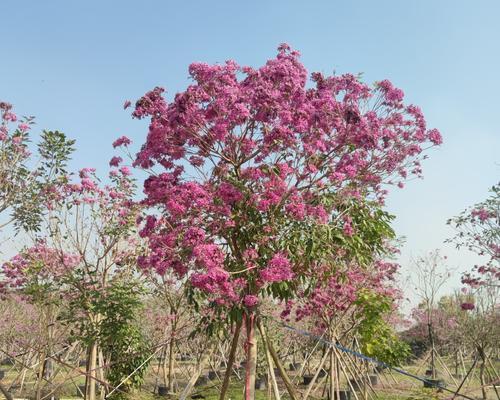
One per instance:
(109, 317)
(377, 337)
(24, 188)
(120, 336)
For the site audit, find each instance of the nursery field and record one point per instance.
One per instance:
(382, 384)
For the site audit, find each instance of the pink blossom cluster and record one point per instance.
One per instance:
(15, 141)
(113, 201)
(477, 230)
(467, 306)
(244, 154)
(39, 263)
(337, 294)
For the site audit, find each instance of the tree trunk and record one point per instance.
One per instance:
(171, 364)
(40, 376)
(251, 365)
(481, 373)
(333, 371)
(230, 362)
(102, 376)
(165, 366)
(431, 341)
(92, 362)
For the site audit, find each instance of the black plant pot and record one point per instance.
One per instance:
(82, 363)
(295, 366)
(373, 380)
(212, 375)
(47, 396)
(2, 374)
(80, 391)
(356, 384)
(434, 383)
(260, 384)
(307, 379)
(202, 380)
(162, 390)
(8, 361)
(322, 373)
(341, 395)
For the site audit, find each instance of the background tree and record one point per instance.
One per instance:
(431, 273)
(478, 230)
(26, 180)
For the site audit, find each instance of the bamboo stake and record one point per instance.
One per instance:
(230, 361)
(313, 381)
(274, 355)
(271, 375)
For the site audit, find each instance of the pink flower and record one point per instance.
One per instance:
(23, 127)
(435, 137)
(125, 170)
(467, 306)
(121, 141)
(278, 269)
(482, 214)
(115, 161)
(229, 194)
(347, 228)
(127, 104)
(250, 300)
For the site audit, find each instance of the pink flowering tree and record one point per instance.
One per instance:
(478, 230)
(97, 221)
(37, 274)
(249, 166)
(92, 225)
(479, 325)
(171, 318)
(352, 303)
(25, 178)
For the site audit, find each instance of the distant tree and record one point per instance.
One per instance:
(27, 180)
(431, 273)
(478, 230)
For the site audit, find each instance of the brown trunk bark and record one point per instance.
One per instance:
(481, 374)
(333, 371)
(251, 365)
(431, 341)
(165, 366)
(40, 376)
(90, 395)
(171, 365)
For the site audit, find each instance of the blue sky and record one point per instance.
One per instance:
(72, 64)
